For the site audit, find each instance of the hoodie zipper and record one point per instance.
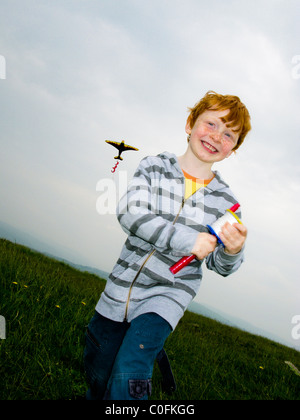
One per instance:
(134, 280)
(144, 263)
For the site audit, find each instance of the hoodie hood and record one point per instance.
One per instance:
(216, 184)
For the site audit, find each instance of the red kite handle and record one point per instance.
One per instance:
(182, 263)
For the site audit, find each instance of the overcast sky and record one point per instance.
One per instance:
(74, 73)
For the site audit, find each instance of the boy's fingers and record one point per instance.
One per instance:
(233, 237)
(241, 228)
(233, 232)
(229, 228)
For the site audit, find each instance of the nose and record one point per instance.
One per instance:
(216, 136)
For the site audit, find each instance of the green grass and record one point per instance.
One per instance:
(47, 305)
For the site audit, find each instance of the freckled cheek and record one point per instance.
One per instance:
(202, 132)
(227, 148)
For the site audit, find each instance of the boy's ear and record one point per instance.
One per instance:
(188, 129)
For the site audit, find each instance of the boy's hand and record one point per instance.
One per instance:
(204, 245)
(233, 237)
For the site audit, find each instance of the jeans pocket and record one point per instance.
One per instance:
(91, 337)
(138, 388)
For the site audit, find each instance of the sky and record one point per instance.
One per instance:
(74, 73)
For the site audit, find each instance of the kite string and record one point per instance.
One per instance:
(115, 167)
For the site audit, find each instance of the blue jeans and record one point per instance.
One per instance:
(119, 356)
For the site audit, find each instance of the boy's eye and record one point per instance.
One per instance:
(229, 137)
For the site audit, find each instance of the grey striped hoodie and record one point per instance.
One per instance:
(162, 227)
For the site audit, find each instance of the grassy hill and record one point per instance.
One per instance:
(47, 305)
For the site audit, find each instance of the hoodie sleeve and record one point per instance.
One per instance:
(223, 263)
(138, 215)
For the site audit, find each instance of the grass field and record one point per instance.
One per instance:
(47, 305)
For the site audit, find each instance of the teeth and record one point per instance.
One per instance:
(210, 147)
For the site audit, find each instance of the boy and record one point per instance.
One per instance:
(166, 209)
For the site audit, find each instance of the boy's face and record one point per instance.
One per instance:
(210, 138)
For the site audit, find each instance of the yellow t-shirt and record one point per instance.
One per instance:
(193, 184)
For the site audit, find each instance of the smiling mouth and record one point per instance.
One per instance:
(209, 147)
